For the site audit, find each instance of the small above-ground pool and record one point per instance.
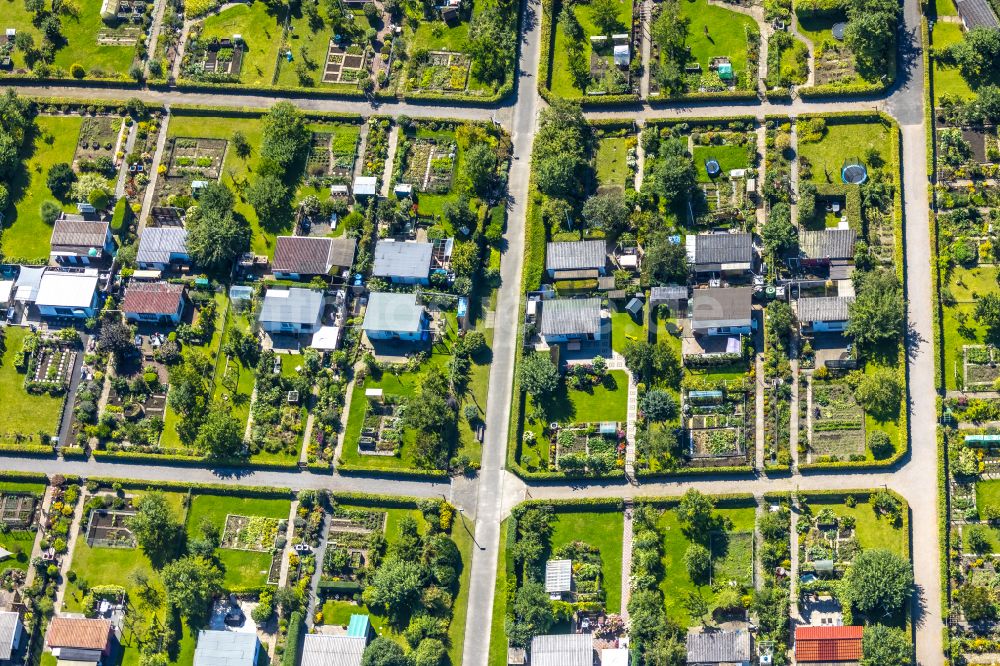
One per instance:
(808, 578)
(854, 174)
(838, 31)
(712, 168)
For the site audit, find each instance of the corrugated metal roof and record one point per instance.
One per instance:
(293, 306)
(710, 647)
(828, 644)
(9, 623)
(394, 259)
(574, 255)
(976, 13)
(563, 650)
(393, 312)
(828, 244)
(671, 292)
(824, 308)
(558, 576)
(721, 306)
(225, 648)
(156, 244)
(301, 254)
(723, 249)
(571, 316)
(327, 650)
(75, 232)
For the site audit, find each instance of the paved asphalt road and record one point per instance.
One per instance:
(490, 497)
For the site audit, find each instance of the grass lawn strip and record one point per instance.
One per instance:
(23, 414)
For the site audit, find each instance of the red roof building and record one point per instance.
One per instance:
(828, 645)
(156, 302)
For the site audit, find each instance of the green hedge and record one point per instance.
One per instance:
(405, 473)
(32, 450)
(191, 461)
(255, 112)
(340, 586)
(28, 477)
(265, 492)
(708, 96)
(845, 89)
(293, 644)
(820, 8)
(73, 453)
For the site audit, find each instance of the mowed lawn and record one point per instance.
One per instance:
(243, 568)
(603, 530)
(23, 412)
(948, 80)
(562, 79)
(80, 35)
(235, 171)
(843, 142)
(612, 161)
(25, 235)
(729, 157)
(871, 530)
(677, 584)
(965, 285)
(261, 32)
(440, 36)
(127, 567)
(715, 31)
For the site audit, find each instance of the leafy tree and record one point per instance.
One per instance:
(651, 363)
(241, 145)
(880, 444)
(780, 319)
(666, 261)
(696, 513)
(607, 211)
(977, 54)
(395, 587)
(570, 24)
(987, 313)
(459, 213)
(480, 168)
(696, 606)
(270, 200)
(605, 15)
(430, 652)
(976, 539)
(60, 179)
(4, 197)
(559, 175)
(669, 31)
(698, 561)
(877, 313)
(154, 527)
(92, 188)
(491, 44)
(880, 393)
(657, 405)
(559, 149)
(116, 338)
(49, 211)
(190, 584)
(870, 34)
(17, 116)
(221, 434)
(10, 159)
(215, 235)
(285, 139)
(433, 416)
(779, 234)
(673, 176)
(384, 652)
(879, 582)
(538, 376)
(885, 646)
(531, 614)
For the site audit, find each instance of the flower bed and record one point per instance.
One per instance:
(254, 533)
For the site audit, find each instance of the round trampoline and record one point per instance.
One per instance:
(854, 174)
(838, 31)
(712, 168)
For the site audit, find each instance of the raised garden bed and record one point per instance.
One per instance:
(254, 533)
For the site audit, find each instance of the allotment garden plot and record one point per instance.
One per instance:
(347, 548)
(717, 427)
(99, 136)
(836, 423)
(190, 162)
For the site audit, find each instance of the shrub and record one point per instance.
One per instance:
(880, 444)
(77, 70)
